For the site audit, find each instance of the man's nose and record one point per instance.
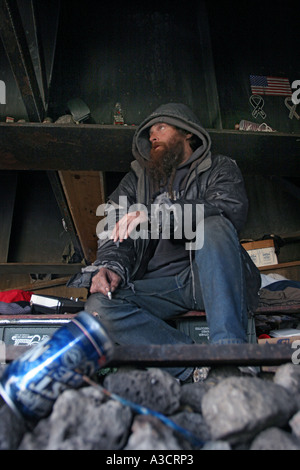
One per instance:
(153, 137)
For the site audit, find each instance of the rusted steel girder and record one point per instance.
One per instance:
(16, 47)
(95, 147)
(202, 355)
(191, 355)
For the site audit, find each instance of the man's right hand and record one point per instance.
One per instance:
(105, 281)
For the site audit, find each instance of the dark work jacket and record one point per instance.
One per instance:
(213, 181)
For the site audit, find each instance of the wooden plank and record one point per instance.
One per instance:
(272, 267)
(94, 147)
(84, 191)
(65, 211)
(259, 244)
(8, 186)
(39, 284)
(289, 270)
(40, 268)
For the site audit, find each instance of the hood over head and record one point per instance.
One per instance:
(175, 114)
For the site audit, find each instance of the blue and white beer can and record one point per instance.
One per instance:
(31, 384)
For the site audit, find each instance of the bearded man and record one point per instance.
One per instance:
(140, 283)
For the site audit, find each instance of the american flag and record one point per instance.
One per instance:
(261, 85)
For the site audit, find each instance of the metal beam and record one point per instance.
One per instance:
(202, 355)
(41, 56)
(211, 88)
(8, 188)
(16, 47)
(191, 355)
(108, 148)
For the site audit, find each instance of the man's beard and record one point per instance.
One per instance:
(164, 160)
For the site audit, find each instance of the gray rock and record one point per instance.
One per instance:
(153, 388)
(288, 376)
(192, 394)
(275, 439)
(12, 429)
(295, 424)
(239, 407)
(149, 433)
(217, 445)
(193, 422)
(219, 373)
(106, 428)
(65, 119)
(82, 420)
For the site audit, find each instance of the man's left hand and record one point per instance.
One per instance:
(125, 226)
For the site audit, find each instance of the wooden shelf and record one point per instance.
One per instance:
(35, 146)
(40, 268)
(290, 270)
(272, 267)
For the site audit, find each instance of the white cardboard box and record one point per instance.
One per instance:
(262, 252)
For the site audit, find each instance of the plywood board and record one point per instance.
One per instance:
(84, 191)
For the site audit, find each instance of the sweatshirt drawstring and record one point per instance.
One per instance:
(193, 276)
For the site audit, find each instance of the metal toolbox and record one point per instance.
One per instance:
(27, 330)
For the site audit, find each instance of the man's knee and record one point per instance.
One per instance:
(95, 303)
(217, 229)
(217, 223)
(219, 237)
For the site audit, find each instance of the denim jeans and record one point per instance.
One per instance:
(216, 283)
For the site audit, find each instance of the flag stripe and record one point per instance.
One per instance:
(270, 85)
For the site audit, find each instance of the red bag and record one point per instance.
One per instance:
(15, 295)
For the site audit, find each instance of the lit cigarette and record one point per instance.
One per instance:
(109, 295)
